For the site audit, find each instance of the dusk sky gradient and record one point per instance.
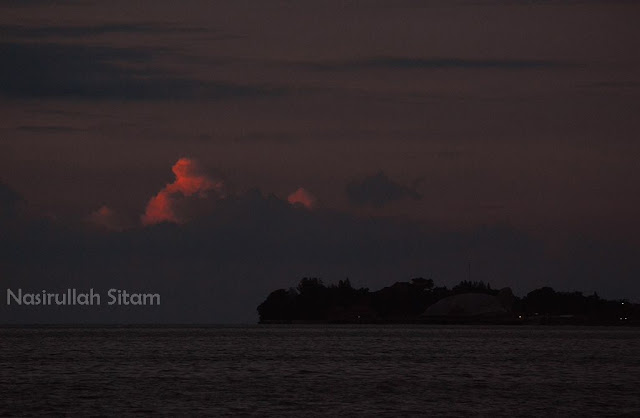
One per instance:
(377, 140)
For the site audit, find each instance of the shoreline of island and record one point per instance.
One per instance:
(419, 301)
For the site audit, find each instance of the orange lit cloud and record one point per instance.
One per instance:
(105, 218)
(302, 197)
(191, 181)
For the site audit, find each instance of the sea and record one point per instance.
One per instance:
(321, 370)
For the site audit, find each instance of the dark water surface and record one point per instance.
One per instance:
(322, 370)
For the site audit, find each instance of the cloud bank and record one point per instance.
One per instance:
(58, 70)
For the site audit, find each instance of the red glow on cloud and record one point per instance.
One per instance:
(190, 181)
(159, 209)
(302, 197)
(104, 217)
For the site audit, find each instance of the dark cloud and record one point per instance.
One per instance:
(378, 190)
(48, 129)
(31, 3)
(409, 63)
(9, 202)
(21, 31)
(622, 85)
(103, 73)
(553, 2)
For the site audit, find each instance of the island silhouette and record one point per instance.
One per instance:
(420, 301)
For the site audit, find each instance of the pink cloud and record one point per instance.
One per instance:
(191, 181)
(302, 197)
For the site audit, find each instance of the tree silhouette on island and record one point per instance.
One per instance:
(420, 301)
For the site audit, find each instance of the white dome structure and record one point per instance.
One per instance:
(466, 304)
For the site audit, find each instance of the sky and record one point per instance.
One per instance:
(216, 151)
